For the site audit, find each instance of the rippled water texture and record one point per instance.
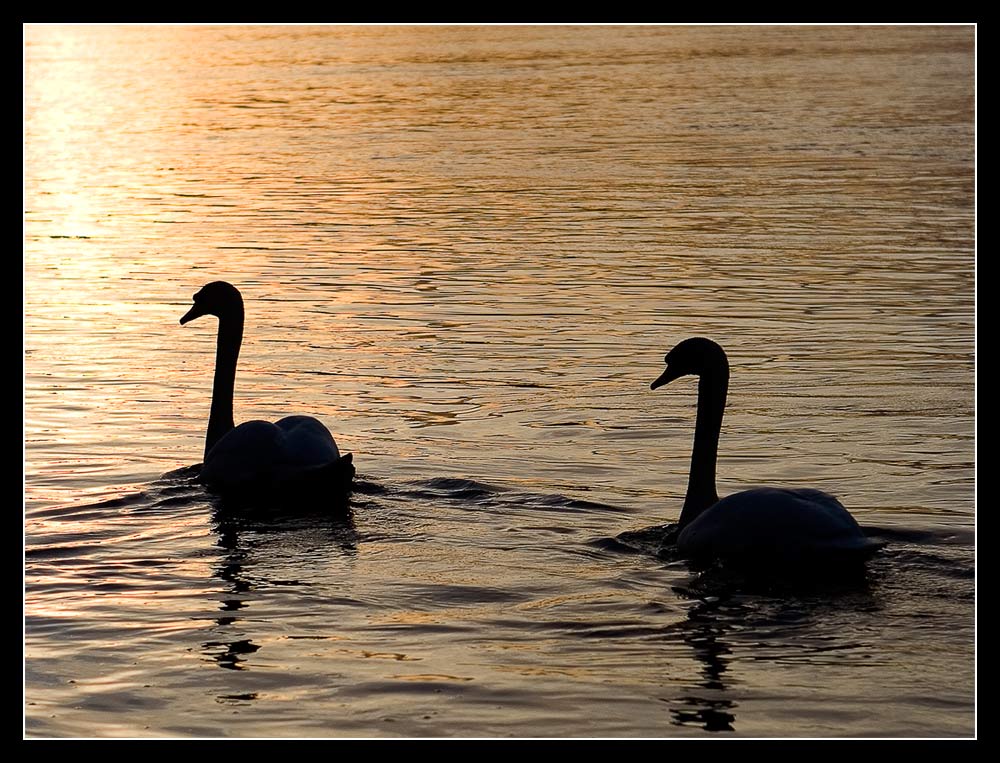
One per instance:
(466, 250)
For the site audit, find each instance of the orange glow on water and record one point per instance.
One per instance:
(466, 249)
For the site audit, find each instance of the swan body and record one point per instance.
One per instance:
(761, 526)
(802, 526)
(293, 454)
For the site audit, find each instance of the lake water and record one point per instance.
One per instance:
(467, 249)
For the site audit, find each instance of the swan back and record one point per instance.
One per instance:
(777, 526)
(295, 454)
(306, 441)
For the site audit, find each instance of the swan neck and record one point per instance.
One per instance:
(227, 352)
(701, 491)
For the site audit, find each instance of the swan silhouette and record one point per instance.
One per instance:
(761, 526)
(257, 458)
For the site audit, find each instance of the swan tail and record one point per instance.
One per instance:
(335, 477)
(861, 549)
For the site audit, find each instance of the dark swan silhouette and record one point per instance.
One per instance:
(765, 525)
(257, 458)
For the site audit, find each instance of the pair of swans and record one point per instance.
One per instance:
(801, 525)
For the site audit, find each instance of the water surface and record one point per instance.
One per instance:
(466, 249)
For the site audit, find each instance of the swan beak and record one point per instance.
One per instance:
(190, 315)
(666, 377)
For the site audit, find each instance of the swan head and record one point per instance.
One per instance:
(692, 357)
(218, 298)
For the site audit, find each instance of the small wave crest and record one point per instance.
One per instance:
(480, 494)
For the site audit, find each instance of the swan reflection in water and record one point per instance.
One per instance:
(774, 621)
(262, 544)
(705, 704)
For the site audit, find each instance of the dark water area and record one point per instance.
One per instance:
(447, 607)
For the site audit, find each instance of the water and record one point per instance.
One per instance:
(466, 249)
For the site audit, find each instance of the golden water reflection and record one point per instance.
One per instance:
(466, 249)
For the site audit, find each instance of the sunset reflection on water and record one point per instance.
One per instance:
(466, 250)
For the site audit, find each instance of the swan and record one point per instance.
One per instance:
(764, 525)
(258, 458)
